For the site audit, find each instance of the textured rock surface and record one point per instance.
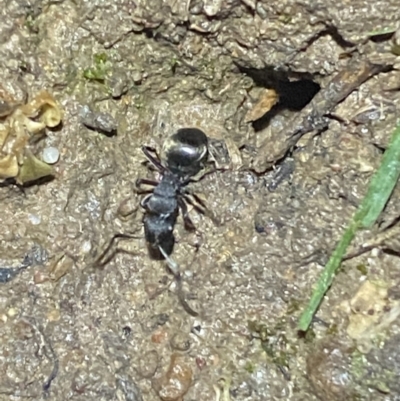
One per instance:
(152, 66)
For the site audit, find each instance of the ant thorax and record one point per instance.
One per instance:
(163, 200)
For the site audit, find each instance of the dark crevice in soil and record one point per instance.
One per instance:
(293, 95)
(296, 95)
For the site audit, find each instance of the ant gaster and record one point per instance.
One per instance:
(183, 155)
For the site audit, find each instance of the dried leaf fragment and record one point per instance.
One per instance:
(9, 166)
(19, 125)
(3, 134)
(267, 100)
(371, 313)
(234, 154)
(43, 107)
(32, 169)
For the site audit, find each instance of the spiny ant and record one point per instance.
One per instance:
(183, 156)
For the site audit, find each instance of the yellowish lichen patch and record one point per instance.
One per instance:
(17, 129)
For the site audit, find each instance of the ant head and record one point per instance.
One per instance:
(186, 151)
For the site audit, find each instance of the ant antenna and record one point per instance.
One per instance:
(102, 260)
(174, 267)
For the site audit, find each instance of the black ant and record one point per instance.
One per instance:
(184, 155)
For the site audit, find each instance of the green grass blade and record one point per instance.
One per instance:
(379, 191)
(383, 31)
(382, 183)
(326, 277)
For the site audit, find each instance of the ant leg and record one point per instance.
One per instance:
(199, 209)
(199, 200)
(174, 267)
(100, 261)
(188, 191)
(206, 173)
(144, 201)
(185, 214)
(155, 161)
(145, 181)
(203, 209)
(144, 192)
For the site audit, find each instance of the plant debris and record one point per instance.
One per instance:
(371, 312)
(267, 100)
(18, 128)
(314, 117)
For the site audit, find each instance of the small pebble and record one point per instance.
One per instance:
(127, 388)
(160, 336)
(12, 312)
(50, 155)
(137, 77)
(98, 121)
(34, 219)
(54, 315)
(86, 247)
(118, 83)
(40, 277)
(177, 380)
(180, 342)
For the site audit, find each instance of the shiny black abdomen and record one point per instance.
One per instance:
(158, 231)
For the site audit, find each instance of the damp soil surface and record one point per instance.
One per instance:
(298, 100)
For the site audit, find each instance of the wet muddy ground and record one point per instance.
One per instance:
(290, 176)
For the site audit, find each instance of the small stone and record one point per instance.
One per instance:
(12, 312)
(50, 155)
(86, 247)
(177, 380)
(60, 267)
(127, 388)
(54, 315)
(119, 84)
(34, 219)
(137, 77)
(329, 370)
(211, 8)
(180, 342)
(196, 9)
(98, 121)
(159, 336)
